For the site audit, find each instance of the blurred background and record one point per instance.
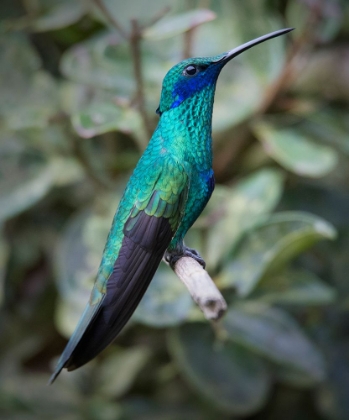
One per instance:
(79, 85)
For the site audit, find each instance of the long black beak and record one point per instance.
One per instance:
(238, 50)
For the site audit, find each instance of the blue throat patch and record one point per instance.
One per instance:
(187, 87)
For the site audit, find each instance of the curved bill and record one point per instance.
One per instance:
(238, 50)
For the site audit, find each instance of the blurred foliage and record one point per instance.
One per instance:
(274, 235)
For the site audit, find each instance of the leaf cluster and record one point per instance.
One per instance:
(79, 84)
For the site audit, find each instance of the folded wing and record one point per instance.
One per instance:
(149, 228)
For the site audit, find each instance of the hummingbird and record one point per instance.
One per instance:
(166, 193)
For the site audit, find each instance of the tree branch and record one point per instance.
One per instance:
(158, 16)
(201, 287)
(112, 21)
(188, 40)
(135, 39)
(98, 181)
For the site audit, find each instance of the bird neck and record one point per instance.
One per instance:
(186, 130)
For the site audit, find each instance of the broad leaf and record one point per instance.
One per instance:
(332, 126)
(25, 176)
(75, 274)
(295, 287)
(124, 11)
(225, 374)
(234, 210)
(78, 257)
(28, 95)
(267, 248)
(295, 151)
(176, 24)
(63, 14)
(274, 334)
(298, 378)
(102, 61)
(119, 370)
(101, 118)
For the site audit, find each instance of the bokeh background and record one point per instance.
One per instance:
(79, 85)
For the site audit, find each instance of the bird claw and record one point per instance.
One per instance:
(172, 257)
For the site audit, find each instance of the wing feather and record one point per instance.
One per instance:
(152, 222)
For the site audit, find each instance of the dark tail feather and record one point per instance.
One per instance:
(101, 333)
(86, 318)
(140, 255)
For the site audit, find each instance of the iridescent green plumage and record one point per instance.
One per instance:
(167, 191)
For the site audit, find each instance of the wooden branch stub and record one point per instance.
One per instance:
(201, 287)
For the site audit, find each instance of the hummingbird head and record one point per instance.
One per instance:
(193, 76)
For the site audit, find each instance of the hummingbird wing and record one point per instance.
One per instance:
(151, 223)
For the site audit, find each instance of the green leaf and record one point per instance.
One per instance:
(273, 334)
(295, 287)
(66, 171)
(18, 57)
(76, 269)
(124, 12)
(28, 95)
(332, 126)
(254, 158)
(166, 303)
(225, 374)
(101, 118)
(60, 15)
(97, 119)
(77, 259)
(177, 24)
(119, 370)
(102, 61)
(25, 176)
(270, 246)
(29, 189)
(296, 377)
(295, 151)
(237, 209)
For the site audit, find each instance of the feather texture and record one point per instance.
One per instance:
(152, 221)
(167, 191)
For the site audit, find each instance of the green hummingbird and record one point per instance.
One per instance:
(166, 193)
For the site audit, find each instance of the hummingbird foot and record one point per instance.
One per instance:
(173, 256)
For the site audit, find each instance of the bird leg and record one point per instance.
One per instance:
(173, 255)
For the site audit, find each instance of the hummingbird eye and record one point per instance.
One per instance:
(190, 70)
